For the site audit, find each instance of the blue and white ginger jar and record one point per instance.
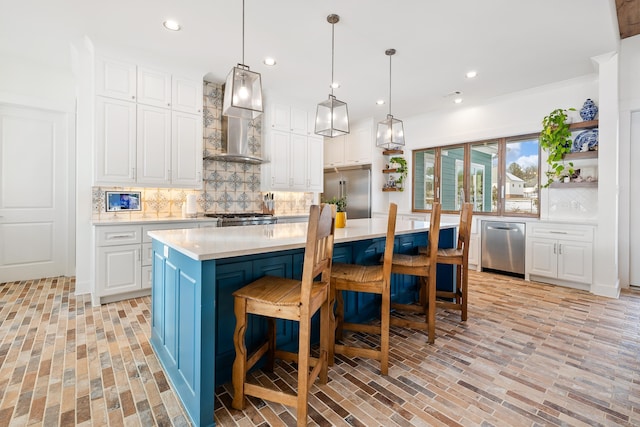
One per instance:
(589, 110)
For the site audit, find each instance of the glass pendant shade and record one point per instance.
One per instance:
(242, 93)
(332, 118)
(390, 134)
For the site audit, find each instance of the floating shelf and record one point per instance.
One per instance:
(390, 171)
(391, 189)
(584, 125)
(581, 155)
(583, 184)
(392, 152)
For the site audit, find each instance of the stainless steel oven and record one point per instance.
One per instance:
(244, 218)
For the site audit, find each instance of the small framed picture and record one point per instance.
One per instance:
(117, 201)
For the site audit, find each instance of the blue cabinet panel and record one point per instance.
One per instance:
(193, 310)
(188, 348)
(158, 297)
(170, 313)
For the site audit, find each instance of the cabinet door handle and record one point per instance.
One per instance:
(560, 249)
(557, 232)
(554, 248)
(133, 97)
(138, 255)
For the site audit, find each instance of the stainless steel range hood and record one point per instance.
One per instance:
(235, 140)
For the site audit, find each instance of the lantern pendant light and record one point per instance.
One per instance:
(243, 89)
(390, 134)
(332, 117)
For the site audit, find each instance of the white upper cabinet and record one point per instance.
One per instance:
(289, 119)
(358, 147)
(296, 162)
(154, 87)
(334, 151)
(147, 140)
(186, 95)
(186, 155)
(115, 79)
(352, 149)
(153, 145)
(115, 141)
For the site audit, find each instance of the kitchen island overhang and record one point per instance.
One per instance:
(195, 272)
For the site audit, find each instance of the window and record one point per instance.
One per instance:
(499, 177)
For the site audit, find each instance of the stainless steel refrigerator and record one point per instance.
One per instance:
(355, 184)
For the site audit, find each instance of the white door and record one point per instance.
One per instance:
(34, 177)
(634, 202)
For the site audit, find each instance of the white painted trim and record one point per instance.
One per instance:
(34, 102)
(606, 290)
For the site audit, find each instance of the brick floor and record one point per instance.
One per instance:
(529, 355)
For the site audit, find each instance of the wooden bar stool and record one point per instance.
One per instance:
(281, 298)
(423, 266)
(373, 279)
(459, 256)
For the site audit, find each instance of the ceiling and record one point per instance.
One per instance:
(513, 45)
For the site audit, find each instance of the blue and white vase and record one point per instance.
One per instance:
(589, 110)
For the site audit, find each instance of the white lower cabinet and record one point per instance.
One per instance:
(560, 253)
(124, 256)
(474, 252)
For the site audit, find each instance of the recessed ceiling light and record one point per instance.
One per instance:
(457, 101)
(172, 25)
(471, 74)
(335, 85)
(380, 102)
(269, 61)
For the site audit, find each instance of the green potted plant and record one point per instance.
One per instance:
(341, 210)
(555, 139)
(401, 168)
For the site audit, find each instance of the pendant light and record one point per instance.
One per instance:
(243, 89)
(390, 134)
(332, 117)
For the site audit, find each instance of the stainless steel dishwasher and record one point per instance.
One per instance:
(503, 247)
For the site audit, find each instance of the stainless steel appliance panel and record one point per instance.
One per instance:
(503, 246)
(355, 184)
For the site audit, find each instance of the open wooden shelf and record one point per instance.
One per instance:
(583, 184)
(389, 170)
(392, 152)
(581, 155)
(391, 189)
(584, 125)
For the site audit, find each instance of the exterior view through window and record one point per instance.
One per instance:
(499, 177)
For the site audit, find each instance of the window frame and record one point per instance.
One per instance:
(501, 171)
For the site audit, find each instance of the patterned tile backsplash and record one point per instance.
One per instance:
(227, 187)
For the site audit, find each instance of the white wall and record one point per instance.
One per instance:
(629, 137)
(516, 114)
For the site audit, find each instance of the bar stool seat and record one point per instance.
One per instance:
(459, 256)
(422, 265)
(298, 300)
(374, 279)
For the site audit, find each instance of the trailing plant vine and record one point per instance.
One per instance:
(555, 139)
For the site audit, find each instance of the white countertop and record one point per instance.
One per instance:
(151, 220)
(225, 242)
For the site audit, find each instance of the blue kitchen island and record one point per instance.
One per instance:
(195, 272)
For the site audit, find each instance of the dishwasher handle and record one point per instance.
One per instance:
(493, 227)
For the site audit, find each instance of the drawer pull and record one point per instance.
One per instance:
(557, 232)
(120, 236)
